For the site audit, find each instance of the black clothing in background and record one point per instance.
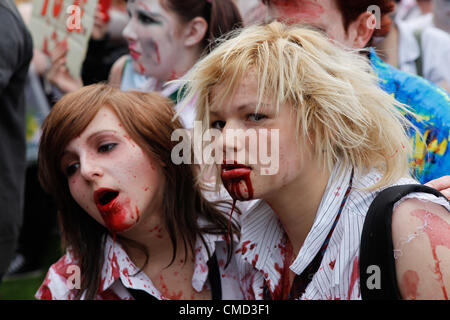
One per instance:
(16, 52)
(100, 57)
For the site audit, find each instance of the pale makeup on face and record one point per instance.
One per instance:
(240, 113)
(110, 176)
(152, 39)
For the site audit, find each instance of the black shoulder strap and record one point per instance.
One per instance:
(141, 295)
(214, 278)
(376, 242)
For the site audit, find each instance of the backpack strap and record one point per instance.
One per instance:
(376, 242)
(215, 278)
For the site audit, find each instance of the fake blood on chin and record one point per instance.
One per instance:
(232, 175)
(116, 212)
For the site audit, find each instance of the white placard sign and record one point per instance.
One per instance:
(56, 20)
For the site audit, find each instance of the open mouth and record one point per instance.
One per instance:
(235, 165)
(234, 171)
(103, 197)
(236, 179)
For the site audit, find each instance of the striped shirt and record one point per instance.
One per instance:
(119, 273)
(263, 240)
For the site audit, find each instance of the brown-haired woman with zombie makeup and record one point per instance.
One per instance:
(166, 38)
(133, 222)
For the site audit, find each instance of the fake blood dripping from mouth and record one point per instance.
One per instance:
(116, 213)
(236, 178)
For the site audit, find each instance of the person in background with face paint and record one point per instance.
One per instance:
(351, 24)
(341, 140)
(166, 38)
(133, 223)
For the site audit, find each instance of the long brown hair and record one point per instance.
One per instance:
(147, 118)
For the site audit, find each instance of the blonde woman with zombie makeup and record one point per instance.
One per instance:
(134, 224)
(166, 38)
(322, 217)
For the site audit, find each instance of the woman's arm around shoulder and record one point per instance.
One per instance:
(421, 239)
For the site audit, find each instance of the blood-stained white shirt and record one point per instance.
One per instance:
(119, 273)
(263, 240)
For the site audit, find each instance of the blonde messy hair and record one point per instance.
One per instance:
(340, 108)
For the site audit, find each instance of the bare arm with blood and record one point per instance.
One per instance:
(421, 238)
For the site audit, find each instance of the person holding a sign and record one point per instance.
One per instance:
(166, 38)
(135, 225)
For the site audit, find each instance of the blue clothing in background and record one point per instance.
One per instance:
(431, 104)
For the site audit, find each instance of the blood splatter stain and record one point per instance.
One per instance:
(410, 281)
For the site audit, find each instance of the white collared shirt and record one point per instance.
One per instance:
(119, 273)
(263, 238)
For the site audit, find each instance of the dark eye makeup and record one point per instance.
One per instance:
(146, 19)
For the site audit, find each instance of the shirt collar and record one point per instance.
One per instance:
(117, 265)
(261, 240)
(326, 214)
(263, 237)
